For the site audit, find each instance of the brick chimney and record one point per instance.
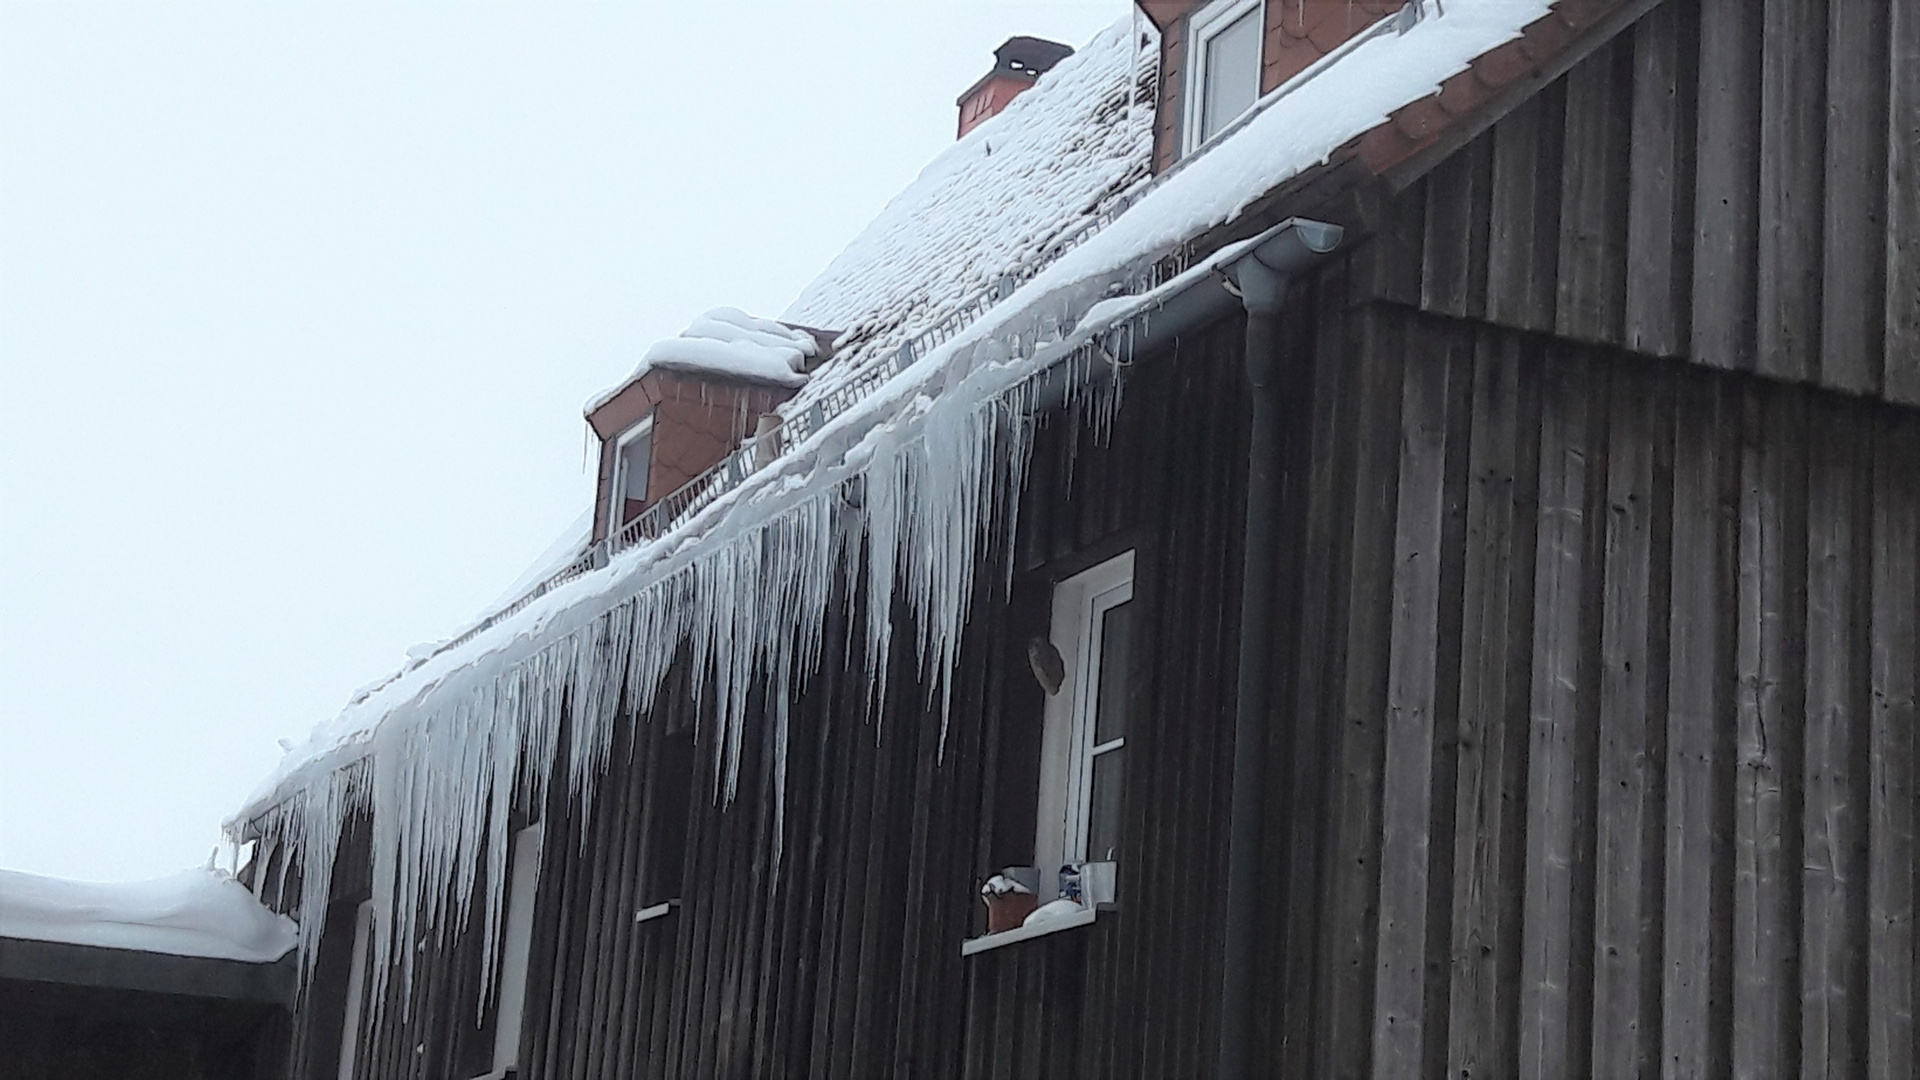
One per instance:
(1017, 65)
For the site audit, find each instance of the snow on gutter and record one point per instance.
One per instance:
(930, 447)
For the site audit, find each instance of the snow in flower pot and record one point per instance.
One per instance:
(1009, 902)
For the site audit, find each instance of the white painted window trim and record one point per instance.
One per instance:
(616, 491)
(356, 989)
(1202, 25)
(516, 947)
(1066, 751)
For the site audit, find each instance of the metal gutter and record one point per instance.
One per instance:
(1195, 299)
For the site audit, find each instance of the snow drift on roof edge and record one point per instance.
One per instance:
(195, 913)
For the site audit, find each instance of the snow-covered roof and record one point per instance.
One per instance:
(1023, 208)
(196, 913)
(1007, 196)
(1058, 153)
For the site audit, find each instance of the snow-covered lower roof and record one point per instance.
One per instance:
(201, 913)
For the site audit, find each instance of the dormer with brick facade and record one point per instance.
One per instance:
(1219, 58)
(694, 400)
(1017, 65)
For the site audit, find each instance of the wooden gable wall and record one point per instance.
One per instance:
(1730, 182)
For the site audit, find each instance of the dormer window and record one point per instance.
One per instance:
(633, 467)
(1223, 78)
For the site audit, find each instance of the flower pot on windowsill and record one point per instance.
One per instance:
(1009, 912)
(1009, 898)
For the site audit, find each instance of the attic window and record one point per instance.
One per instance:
(633, 465)
(1224, 75)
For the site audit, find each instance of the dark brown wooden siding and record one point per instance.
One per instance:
(1594, 755)
(1609, 765)
(1728, 181)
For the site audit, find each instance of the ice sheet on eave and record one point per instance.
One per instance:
(1298, 131)
(196, 913)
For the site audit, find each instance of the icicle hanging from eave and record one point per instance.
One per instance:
(934, 483)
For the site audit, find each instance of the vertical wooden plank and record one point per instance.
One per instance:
(1409, 1032)
(1695, 1024)
(1317, 690)
(1890, 823)
(1726, 204)
(1593, 206)
(1833, 973)
(1388, 266)
(1556, 950)
(1294, 740)
(1793, 89)
(612, 922)
(1902, 382)
(1666, 61)
(1459, 210)
(1769, 702)
(1853, 323)
(1631, 789)
(1523, 248)
(1353, 883)
(1490, 811)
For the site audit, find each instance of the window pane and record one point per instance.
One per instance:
(1103, 826)
(1116, 654)
(1232, 73)
(636, 461)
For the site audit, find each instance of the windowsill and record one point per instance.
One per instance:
(658, 911)
(1023, 933)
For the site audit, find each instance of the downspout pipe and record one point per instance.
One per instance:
(1262, 280)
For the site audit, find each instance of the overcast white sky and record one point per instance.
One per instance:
(298, 307)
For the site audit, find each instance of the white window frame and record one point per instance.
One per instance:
(1202, 26)
(516, 948)
(1067, 752)
(617, 490)
(357, 973)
